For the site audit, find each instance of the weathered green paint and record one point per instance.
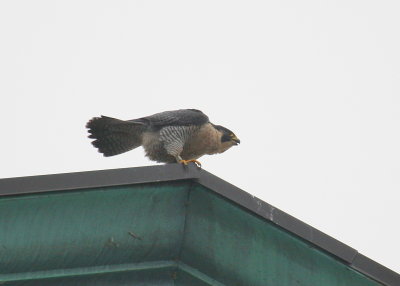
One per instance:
(91, 227)
(238, 248)
(174, 233)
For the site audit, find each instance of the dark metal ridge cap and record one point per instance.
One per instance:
(347, 254)
(175, 172)
(278, 217)
(375, 270)
(96, 179)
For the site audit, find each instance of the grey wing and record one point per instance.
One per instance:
(181, 117)
(175, 137)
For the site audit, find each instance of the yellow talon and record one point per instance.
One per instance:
(185, 162)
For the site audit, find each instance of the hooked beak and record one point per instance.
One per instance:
(236, 140)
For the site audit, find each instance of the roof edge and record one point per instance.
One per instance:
(99, 178)
(175, 172)
(328, 244)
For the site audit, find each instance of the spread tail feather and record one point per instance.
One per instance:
(113, 136)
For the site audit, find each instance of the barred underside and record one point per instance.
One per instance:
(175, 137)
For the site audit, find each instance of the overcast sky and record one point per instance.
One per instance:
(312, 89)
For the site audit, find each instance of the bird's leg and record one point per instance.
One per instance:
(185, 162)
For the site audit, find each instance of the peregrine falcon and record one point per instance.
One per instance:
(180, 136)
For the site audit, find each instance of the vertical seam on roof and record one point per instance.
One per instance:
(183, 231)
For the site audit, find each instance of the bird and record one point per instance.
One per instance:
(176, 136)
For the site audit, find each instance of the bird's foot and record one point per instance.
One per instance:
(185, 162)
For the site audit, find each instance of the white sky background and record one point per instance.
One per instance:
(312, 88)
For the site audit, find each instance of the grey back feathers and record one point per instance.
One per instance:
(181, 117)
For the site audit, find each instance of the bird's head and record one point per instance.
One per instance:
(228, 138)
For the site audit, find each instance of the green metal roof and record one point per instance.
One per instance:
(163, 225)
